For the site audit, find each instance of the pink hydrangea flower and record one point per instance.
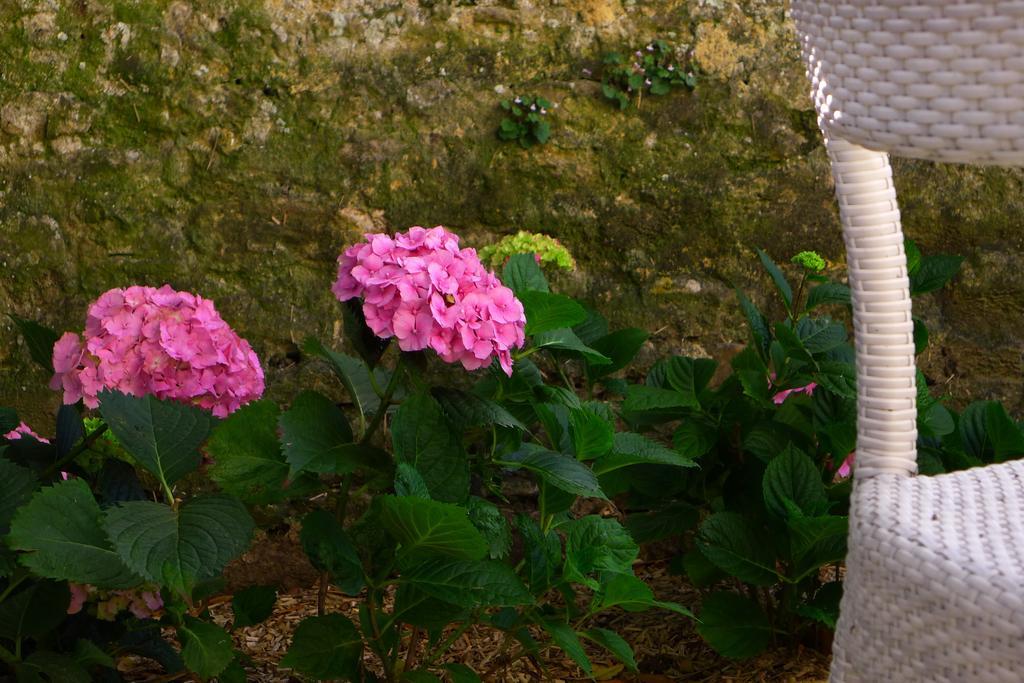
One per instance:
(24, 430)
(785, 393)
(144, 340)
(425, 291)
(846, 468)
(142, 604)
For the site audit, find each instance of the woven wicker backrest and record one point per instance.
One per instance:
(930, 79)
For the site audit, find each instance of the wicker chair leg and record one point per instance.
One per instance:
(883, 326)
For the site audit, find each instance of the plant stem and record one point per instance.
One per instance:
(410, 654)
(443, 646)
(385, 400)
(7, 656)
(14, 583)
(341, 508)
(89, 440)
(321, 595)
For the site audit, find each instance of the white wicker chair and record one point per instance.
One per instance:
(935, 573)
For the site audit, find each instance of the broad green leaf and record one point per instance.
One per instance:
(253, 605)
(934, 272)
(368, 345)
(735, 546)
(180, 547)
(465, 410)
(542, 554)
(920, 336)
(668, 520)
(233, 673)
(421, 438)
(326, 647)
(329, 549)
(1006, 437)
(597, 544)
(689, 376)
(39, 339)
(88, 655)
(522, 274)
(316, 437)
(419, 676)
(760, 330)
(816, 541)
(824, 606)
(641, 398)
(827, 293)
(701, 572)
(591, 433)
(566, 340)
(566, 639)
(247, 457)
(16, 487)
(592, 329)
(614, 643)
(781, 284)
(735, 626)
(60, 529)
(206, 647)
(118, 482)
(634, 449)
(409, 482)
(353, 374)
(546, 311)
(694, 438)
(627, 592)
(820, 335)
(839, 378)
(429, 527)
(620, 346)
(557, 469)
(414, 606)
(460, 673)
(34, 610)
(469, 583)
(491, 524)
(164, 436)
(42, 666)
(974, 433)
(792, 477)
(70, 429)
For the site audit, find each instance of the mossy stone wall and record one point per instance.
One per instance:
(233, 147)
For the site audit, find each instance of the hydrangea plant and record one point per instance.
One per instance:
(546, 249)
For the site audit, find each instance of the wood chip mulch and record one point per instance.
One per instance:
(667, 647)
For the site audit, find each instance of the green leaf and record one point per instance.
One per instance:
(317, 437)
(556, 469)
(627, 592)
(973, 431)
(460, 673)
(253, 605)
(8, 420)
(469, 583)
(824, 607)
(421, 438)
(35, 610)
(329, 549)
(60, 530)
(641, 398)
(694, 438)
(565, 638)
(180, 547)
(408, 482)
(735, 626)
(42, 666)
(465, 410)
(591, 433)
(353, 374)
(39, 340)
(819, 335)
(542, 553)
(760, 330)
(920, 336)
(781, 284)
(689, 376)
(522, 274)
(934, 272)
(326, 647)
(164, 436)
(913, 256)
(206, 648)
(826, 294)
(430, 527)
(566, 340)
(1005, 435)
(546, 311)
(663, 522)
(816, 541)
(490, 522)
(620, 346)
(247, 458)
(634, 449)
(793, 479)
(597, 544)
(701, 572)
(419, 676)
(660, 87)
(614, 643)
(839, 378)
(736, 547)
(369, 346)
(16, 487)
(70, 429)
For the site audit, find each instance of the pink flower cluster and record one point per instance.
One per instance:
(421, 288)
(143, 340)
(24, 430)
(780, 397)
(142, 604)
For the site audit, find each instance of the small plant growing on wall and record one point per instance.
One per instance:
(652, 70)
(526, 122)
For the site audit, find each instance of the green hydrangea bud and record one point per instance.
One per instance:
(547, 249)
(810, 260)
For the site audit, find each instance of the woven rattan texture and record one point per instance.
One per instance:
(937, 565)
(940, 80)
